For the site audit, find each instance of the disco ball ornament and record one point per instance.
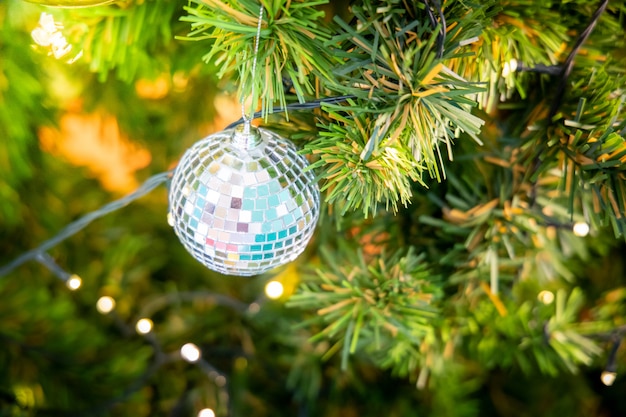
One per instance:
(241, 201)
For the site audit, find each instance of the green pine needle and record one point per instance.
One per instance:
(356, 302)
(289, 45)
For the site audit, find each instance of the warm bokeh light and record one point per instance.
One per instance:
(274, 289)
(74, 282)
(144, 326)
(581, 229)
(206, 412)
(153, 89)
(546, 297)
(190, 352)
(96, 141)
(608, 378)
(220, 380)
(105, 304)
(241, 363)
(509, 67)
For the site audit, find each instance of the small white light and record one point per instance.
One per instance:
(608, 378)
(581, 229)
(48, 35)
(206, 412)
(41, 37)
(59, 45)
(47, 27)
(144, 326)
(220, 380)
(190, 352)
(254, 308)
(506, 69)
(274, 289)
(546, 297)
(105, 304)
(170, 219)
(509, 67)
(47, 23)
(74, 282)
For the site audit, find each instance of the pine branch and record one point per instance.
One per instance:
(362, 169)
(593, 140)
(369, 306)
(290, 46)
(391, 66)
(525, 37)
(529, 335)
(127, 40)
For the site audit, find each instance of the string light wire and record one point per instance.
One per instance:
(568, 65)
(441, 36)
(308, 105)
(76, 226)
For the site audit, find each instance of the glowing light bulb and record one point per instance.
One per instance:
(546, 297)
(190, 352)
(608, 378)
(144, 326)
(206, 412)
(509, 67)
(49, 35)
(74, 282)
(274, 289)
(105, 304)
(581, 229)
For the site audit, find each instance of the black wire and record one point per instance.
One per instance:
(566, 70)
(441, 37)
(611, 365)
(541, 69)
(307, 105)
(568, 65)
(77, 225)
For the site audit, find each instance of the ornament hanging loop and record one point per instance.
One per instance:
(244, 116)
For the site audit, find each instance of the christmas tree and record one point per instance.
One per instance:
(469, 256)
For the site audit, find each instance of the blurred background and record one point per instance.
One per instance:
(73, 138)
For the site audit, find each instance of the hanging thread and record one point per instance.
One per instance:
(244, 116)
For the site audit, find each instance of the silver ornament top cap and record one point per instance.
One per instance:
(246, 137)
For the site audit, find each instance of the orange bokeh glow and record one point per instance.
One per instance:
(95, 141)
